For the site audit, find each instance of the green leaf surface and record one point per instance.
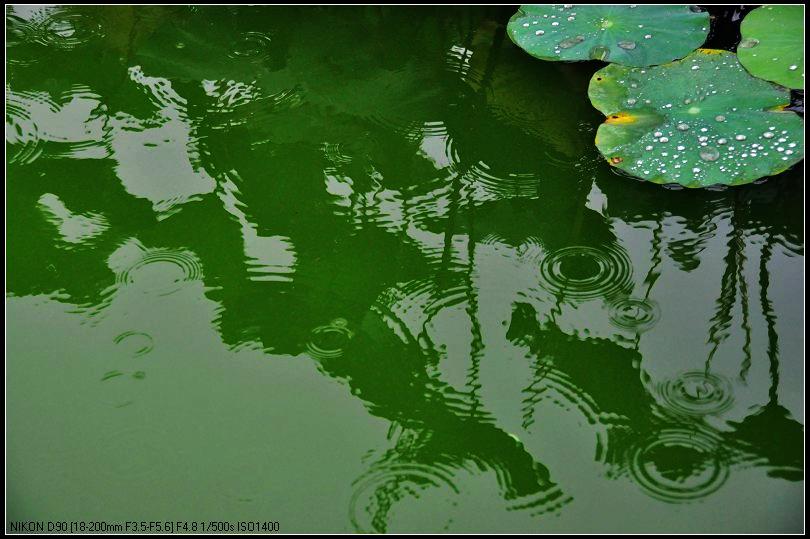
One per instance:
(772, 45)
(639, 35)
(699, 121)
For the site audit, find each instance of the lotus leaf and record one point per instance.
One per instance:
(631, 35)
(772, 45)
(699, 121)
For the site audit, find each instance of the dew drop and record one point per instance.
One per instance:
(720, 118)
(721, 141)
(648, 36)
(600, 52)
(748, 43)
(682, 127)
(793, 68)
(570, 42)
(740, 137)
(767, 134)
(539, 32)
(709, 153)
(627, 45)
(663, 139)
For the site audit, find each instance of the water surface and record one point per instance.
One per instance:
(362, 269)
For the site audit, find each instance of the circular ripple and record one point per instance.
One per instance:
(547, 501)
(697, 393)
(255, 45)
(162, 271)
(66, 30)
(380, 488)
(136, 342)
(509, 185)
(329, 342)
(23, 135)
(119, 389)
(18, 33)
(634, 314)
(238, 103)
(678, 465)
(334, 153)
(580, 272)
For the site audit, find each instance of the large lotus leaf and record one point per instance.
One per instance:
(700, 121)
(772, 45)
(629, 35)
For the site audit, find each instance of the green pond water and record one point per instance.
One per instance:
(362, 269)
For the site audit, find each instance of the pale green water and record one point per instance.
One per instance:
(363, 270)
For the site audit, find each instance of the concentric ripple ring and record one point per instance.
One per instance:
(583, 273)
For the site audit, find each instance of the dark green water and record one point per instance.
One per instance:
(363, 269)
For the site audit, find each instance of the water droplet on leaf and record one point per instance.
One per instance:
(570, 42)
(599, 52)
(709, 153)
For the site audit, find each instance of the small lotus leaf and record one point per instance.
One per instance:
(772, 45)
(631, 35)
(699, 121)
